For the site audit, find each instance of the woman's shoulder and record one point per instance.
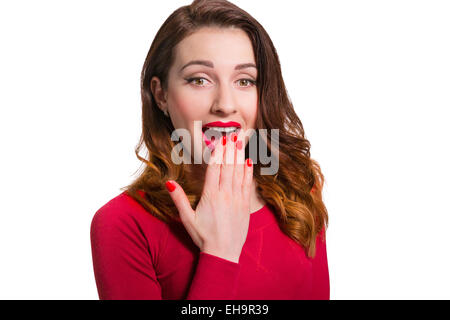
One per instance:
(124, 213)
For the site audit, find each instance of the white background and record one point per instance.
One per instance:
(369, 79)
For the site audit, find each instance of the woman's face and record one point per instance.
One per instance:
(220, 91)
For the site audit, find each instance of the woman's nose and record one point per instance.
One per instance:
(224, 109)
(224, 102)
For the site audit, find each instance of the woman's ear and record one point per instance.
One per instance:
(159, 94)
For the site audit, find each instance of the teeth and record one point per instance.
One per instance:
(220, 129)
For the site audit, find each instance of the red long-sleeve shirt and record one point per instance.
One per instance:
(137, 256)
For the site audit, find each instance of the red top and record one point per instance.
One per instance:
(137, 256)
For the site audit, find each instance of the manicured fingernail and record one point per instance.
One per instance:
(233, 137)
(239, 145)
(170, 186)
(249, 162)
(224, 140)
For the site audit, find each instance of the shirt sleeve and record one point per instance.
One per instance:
(321, 280)
(215, 279)
(123, 264)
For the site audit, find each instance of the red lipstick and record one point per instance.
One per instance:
(222, 124)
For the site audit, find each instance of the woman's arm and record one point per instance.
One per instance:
(123, 263)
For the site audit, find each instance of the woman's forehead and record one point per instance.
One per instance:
(217, 48)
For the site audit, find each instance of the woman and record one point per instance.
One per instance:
(221, 229)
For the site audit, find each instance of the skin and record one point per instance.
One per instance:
(221, 94)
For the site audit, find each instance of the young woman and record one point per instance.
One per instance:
(220, 229)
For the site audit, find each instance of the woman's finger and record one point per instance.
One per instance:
(181, 201)
(212, 175)
(226, 176)
(248, 178)
(239, 163)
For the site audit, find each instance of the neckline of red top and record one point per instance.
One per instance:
(258, 219)
(261, 218)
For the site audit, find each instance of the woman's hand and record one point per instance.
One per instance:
(219, 225)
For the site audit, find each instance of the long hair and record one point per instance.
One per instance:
(294, 192)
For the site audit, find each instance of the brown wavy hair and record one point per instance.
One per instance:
(294, 192)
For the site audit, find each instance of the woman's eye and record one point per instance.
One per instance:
(251, 82)
(194, 79)
(248, 81)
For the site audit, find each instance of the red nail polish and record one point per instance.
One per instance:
(170, 186)
(233, 137)
(239, 145)
(249, 162)
(224, 140)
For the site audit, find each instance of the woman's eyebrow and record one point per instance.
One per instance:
(211, 65)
